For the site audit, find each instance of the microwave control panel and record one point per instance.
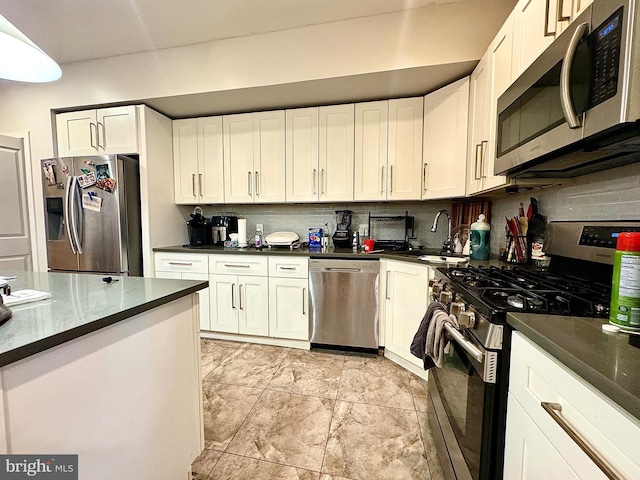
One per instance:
(605, 46)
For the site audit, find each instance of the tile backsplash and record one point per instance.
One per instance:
(300, 217)
(610, 195)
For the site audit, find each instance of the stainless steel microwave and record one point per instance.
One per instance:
(576, 109)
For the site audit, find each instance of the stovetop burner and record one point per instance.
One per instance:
(533, 290)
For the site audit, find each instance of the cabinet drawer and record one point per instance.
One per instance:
(536, 377)
(238, 264)
(172, 262)
(288, 267)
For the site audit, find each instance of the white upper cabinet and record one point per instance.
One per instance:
(302, 154)
(371, 125)
(254, 160)
(336, 150)
(104, 131)
(479, 92)
(444, 154)
(197, 160)
(404, 178)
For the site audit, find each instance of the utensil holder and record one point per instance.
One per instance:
(517, 250)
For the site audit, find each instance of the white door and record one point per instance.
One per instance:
(444, 156)
(77, 133)
(289, 308)
(302, 154)
(269, 156)
(253, 305)
(405, 149)
(531, 35)
(336, 130)
(117, 130)
(371, 126)
(15, 244)
(185, 161)
(238, 158)
(478, 124)
(210, 160)
(223, 292)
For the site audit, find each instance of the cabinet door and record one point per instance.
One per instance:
(500, 63)
(210, 160)
(578, 7)
(405, 149)
(528, 453)
(302, 154)
(238, 158)
(371, 125)
(117, 130)
(223, 291)
(253, 305)
(444, 156)
(289, 308)
(534, 29)
(203, 299)
(77, 133)
(185, 160)
(336, 130)
(269, 157)
(406, 298)
(478, 123)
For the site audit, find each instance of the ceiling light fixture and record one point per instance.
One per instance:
(21, 59)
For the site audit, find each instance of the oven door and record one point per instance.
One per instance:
(465, 402)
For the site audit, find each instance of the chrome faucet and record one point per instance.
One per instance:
(446, 247)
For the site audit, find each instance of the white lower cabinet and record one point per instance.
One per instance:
(537, 446)
(239, 304)
(289, 308)
(405, 295)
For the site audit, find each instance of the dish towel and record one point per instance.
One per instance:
(429, 340)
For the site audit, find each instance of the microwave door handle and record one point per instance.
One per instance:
(67, 212)
(565, 77)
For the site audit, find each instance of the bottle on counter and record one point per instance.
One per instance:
(258, 236)
(625, 289)
(479, 239)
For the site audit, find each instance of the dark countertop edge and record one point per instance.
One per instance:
(38, 346)
(606, 387)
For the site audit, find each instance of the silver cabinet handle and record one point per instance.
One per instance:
(93, 128)
(186, 264)
(233, 295)
(391, 179)
(249, 182)
(555, 411)
(477, 175)
(382, 180)
(315, 180)
(547, 19)
(561, 16)
(483, 150)
(424, 176)
(257, 184)
(104, 135)
(193, 184)
(231, 265)
(386, 286)
(286, 268)
(240, 295)
(200, 184)
(565, 77)
(464, 343)
(304, 303)
(323, 180)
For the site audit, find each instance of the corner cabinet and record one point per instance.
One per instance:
(197, 160)
(371, 126)
(404, 294)
(104, 131)
(404, 177)
(444, 154)
(537, 446)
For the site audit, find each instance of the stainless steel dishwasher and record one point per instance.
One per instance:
(344, 302)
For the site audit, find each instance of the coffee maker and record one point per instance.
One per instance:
(221, 227)
(342, 237)
(197, 226)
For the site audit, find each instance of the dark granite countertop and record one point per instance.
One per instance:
(79, 304)
(605, 360)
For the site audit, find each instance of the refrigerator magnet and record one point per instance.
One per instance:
(102, 171)
(106, 184)
(65, 169)
(90, 201)
(49, 173)
(87, 180)
(89, 163)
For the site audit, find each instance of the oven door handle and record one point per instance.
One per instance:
(469, 347)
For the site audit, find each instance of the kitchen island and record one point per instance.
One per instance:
(107, 371)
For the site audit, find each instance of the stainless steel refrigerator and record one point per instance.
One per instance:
(92, 214)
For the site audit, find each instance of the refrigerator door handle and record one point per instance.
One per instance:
(74, 206)
(67, 209)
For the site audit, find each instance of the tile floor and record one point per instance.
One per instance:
(281, 413)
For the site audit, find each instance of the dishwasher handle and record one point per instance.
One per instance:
(339, 270)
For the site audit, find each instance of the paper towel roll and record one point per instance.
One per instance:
(242, 232)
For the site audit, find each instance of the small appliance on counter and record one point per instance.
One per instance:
(290, 240)
(342, 236)
(197, 227)
(221, 227)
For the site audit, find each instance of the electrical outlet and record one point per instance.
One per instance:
(259, 227)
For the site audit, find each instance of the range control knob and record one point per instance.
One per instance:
(436, 289)
(456, 308)
(467, 319)
(446, 297)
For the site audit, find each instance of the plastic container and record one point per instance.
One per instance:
(479, 239)
(625, 288)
